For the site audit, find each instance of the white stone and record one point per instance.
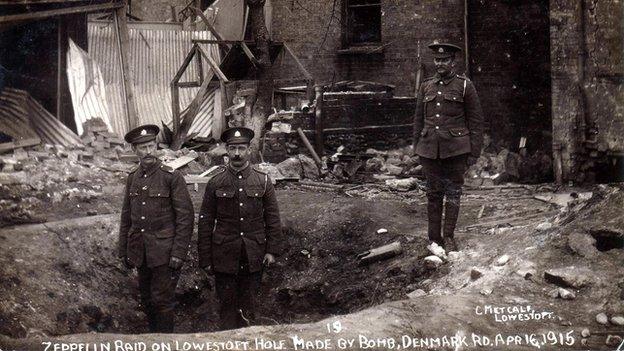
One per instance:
(617, 320)
(602, 318)
(416, 294)
(382, 231)
(485, 291)
(501, 261)
(585, 333)
(437, 250)
(433, 262)
(544, 226)
(566, 294)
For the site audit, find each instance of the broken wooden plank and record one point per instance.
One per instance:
(380, 253)
(210, 170)
(308, 146)
(563, 199)
(19, 143)
(180, 161)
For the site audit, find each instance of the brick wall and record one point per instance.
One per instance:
(510, 65)
(587, 85)
(304, 24)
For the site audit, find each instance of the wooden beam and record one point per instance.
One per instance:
(299, 64)
(250, 55)
(213, 65)
(318, 122)
(19, 143)
(225, 41)
(59, 66)
(36, 15)
(123, 44)
(211, 28)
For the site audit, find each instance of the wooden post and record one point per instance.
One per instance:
(220, 123)
(59, 67)
(466, 46)
(318, 121)
(123, 44)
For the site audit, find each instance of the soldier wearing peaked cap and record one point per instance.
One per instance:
(239, 230)
(448, 136)
(156, 226)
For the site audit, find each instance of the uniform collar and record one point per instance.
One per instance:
(243, 171)
(148, 170)
(446, 80)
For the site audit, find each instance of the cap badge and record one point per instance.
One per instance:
(237, 134)
(143, 131)
(440, 50)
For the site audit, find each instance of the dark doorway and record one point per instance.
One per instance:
(509, 46)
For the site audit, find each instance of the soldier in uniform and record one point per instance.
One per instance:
(448, 136)
(239, 230)
(156, 226)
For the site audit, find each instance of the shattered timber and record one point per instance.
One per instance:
(331, 89)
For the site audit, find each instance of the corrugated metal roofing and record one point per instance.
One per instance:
(155, 56)
(22, 117)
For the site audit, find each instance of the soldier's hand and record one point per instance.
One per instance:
(208, 270)
(268, 259)
(175, 263)
(125, 262)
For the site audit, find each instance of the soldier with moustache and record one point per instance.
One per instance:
(155, 229)
(239, 230)
(448, 137)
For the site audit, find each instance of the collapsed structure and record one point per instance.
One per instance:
(550, 100)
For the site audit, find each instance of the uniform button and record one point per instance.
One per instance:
(437, 127)
(441, 82)
(439, 93)
(241, 218)
(241, 204)
(142, 217)
(145, 176)
(145, 187)
(437, 104)
(438, 115)
(454, 98)
(240, 177)
(256, 194)
(142, 230)
(242, 233)
(240, 189)
(143, 203)
(201, 216)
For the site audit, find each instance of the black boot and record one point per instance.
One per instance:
(434, 215)
(451, 214)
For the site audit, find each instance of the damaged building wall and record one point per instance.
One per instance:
(315, 30)
(587, 93)
(510, 65)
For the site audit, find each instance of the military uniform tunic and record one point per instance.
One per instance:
(156, 218)
(239, 208)
(448, 120)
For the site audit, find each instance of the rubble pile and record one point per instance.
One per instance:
(36, 178)
(97, 138)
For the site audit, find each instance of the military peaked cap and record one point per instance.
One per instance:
(237, 135)
(142, 134)
(443, 50)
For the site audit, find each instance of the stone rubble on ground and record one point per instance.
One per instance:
(602, 318)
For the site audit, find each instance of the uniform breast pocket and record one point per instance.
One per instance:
(428, 101)
(453, 104)
(225, 201)
(254, 198)
(159, 199)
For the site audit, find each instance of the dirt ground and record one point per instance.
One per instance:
(61, 277)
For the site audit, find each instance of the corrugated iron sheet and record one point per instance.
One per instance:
(87, 87)
(155, 56)
(21, 116)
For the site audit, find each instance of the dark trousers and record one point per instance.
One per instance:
(157, 289)
(237, 295)
(445, 178)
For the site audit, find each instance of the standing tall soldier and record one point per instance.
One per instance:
(239, 230)
(156, 226)
(448, 136)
